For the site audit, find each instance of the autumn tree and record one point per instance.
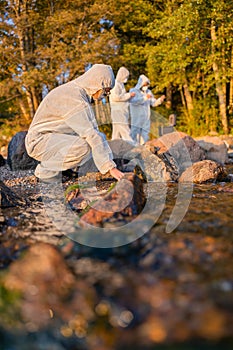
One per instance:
(193, 54)
(130, 18)
(184, 46)
(47, 43)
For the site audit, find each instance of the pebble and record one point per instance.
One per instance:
(2, 219)
(17, 178)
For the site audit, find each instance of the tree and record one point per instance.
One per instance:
(129, 20)
(184, 46)
(47, 43)
(193, 54)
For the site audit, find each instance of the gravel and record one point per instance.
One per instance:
(19, 177)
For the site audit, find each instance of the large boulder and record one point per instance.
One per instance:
(9, 198)
(41, 278)
(215, 148)
(156, 167)
(180, 146)
(2, 160)
(122, 200)
(228, 139)
(203, 171)
(18, 158)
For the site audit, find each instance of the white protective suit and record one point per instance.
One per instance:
(119, 104)
(64, 132)
(140, 110)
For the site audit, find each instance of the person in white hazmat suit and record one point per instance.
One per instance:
(119, 103)
(64, 132)
(140, 109)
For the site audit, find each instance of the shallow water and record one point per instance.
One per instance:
(165, 291)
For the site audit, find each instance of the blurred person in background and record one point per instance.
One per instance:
(140, 109)
(119, 103)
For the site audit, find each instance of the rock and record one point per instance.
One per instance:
(17, 157)
(170, 164)
(215, 148)
(228, 139)
(8, 198)
(152, 165)
(156, 167)
(165, 130)
(124, 199)
(203, 171)
(2, 161)
(178, 145)
(2, 217)
(43, 278)
(226, 188)
(120, 148)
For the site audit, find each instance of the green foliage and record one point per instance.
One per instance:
(9, 307)
(186, 44)
(204, 119)
(9, 127)
(44, 44)
(184, 55)
(74, 187)
(107, 130)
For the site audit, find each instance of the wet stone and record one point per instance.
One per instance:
(125, 199)
(2, 218)
(215, 148)
(2, 161)
(203, 171)
(169, 291)
(8, 198)
(182, 147)
(17, 156)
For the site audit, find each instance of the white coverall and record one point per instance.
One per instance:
(140, 110)
(119, 104)
(64, 132)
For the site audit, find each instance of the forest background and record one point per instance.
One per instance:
(185, 47)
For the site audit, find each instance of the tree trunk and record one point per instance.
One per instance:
(24, 69)
(182, 97)
(97, 113)
(23, 110)
(35, 99)
(169, 97)
(30, 103)
(231, 86)
(221, 91)
(231, 97)
(188, 98)
(21, 9)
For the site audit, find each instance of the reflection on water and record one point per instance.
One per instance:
(165, 291)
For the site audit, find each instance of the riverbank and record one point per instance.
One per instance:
(166, 291)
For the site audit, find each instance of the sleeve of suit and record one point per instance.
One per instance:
(83, 122)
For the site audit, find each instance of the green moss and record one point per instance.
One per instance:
(9, 306)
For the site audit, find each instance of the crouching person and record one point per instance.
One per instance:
(64, 133)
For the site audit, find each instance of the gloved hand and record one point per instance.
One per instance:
(162, 98)
(117, 174)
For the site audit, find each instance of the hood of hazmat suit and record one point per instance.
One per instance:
(122, 75)
(99, 76)
(142, 80)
